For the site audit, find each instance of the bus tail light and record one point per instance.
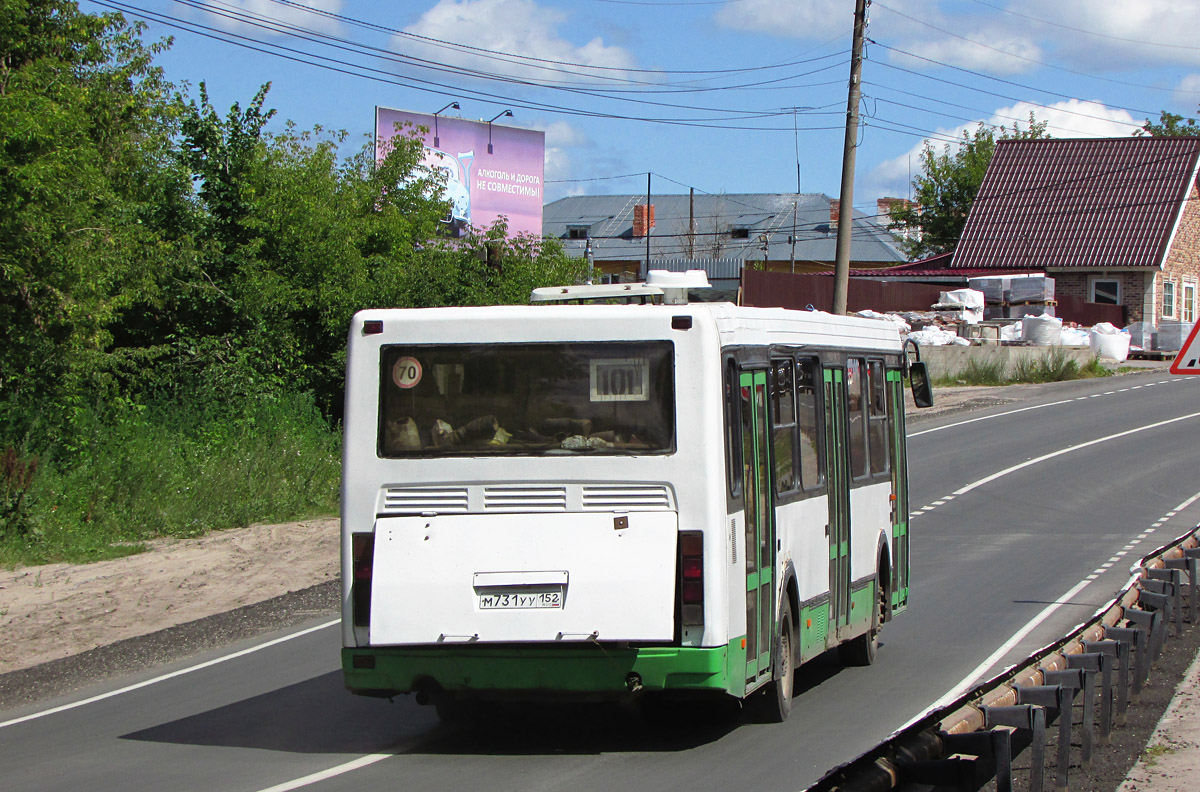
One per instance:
(691, 573)
(363, 555)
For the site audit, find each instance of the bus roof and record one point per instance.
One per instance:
(735, 325)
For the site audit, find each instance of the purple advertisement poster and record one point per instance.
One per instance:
(490, 170)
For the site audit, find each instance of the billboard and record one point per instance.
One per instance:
(490, 170)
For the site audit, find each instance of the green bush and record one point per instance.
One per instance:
(176, 471)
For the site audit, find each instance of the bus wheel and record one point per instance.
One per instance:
(861, 651)
(774, 703)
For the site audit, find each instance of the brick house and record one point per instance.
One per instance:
(1113, 221)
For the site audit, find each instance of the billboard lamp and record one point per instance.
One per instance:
(498, 115)
(437, 143)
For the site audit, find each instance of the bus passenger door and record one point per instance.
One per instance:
(760, 527)
(838, 461)
(899, 493)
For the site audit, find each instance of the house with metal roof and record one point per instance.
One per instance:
(720, 234)
(1113, 221)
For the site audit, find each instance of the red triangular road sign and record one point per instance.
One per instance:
(1188, 359)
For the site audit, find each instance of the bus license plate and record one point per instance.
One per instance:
(516, 600)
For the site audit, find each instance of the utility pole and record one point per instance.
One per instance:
(841, 265)
(793, 238)
(691, 244)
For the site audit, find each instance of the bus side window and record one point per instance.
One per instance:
(878, 418)
(733, 429)
(856, 408)
(783, 425)
(812, 471)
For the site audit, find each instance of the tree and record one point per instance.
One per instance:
(88, 193)
(1170, 125)
(946, 187)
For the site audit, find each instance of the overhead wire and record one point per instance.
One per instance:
(430, 86)
(1087, 32)
(986, 46)
(983, 75)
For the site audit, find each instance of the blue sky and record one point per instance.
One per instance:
(721, 95)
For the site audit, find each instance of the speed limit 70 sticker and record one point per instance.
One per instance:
(407, 372)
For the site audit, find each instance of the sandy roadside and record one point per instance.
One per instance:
(57, 610)
(1169, 762)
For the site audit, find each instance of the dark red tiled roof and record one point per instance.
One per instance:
(1078, 203)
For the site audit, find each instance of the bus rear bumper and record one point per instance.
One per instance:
(587, 669)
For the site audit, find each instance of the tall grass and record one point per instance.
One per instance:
(1054, 365)
(174, 470)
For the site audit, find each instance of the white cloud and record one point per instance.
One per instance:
(795, 18)
(1188, 91)
(288, 15)
(1146, 32)
(1068, 119)
(563, 134)
(1006, 52)
(515, 27)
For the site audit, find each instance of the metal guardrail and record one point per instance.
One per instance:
(974, 738)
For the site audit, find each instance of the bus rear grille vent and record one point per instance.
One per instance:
(607, 498)
(415, 500)
(525, 499)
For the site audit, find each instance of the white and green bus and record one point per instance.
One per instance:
(606, 500)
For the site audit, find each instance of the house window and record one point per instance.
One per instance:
(739, 233)
(1168, 301)
(1106, 291)
(577, 231)
(1189, 302)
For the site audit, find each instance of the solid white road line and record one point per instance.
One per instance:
(987, 418)
(355, 764)
(1069, 449)
(172, 675)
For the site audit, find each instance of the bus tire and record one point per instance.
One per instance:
(860, 651)
(773, 703)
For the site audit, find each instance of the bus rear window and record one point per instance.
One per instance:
(501, 399)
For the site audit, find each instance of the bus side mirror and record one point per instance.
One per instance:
(918, 378)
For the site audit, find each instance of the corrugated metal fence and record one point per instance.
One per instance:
(784, 290)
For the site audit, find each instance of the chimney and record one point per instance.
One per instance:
(835, 208)
(643, 220)
(883, 208)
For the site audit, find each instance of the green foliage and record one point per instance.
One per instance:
(946, 188)
(176, 284)
(1169, 125)
(179, 471)
(88, 196)
(16, 477)
(1054, 365)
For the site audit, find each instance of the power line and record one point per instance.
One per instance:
(1090, 32)
(347, 45)
(980, 74)
(1013, 54)
(429, 86)
(1014, 119)
(529, 59)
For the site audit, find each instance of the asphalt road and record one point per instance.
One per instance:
(1014, 506)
